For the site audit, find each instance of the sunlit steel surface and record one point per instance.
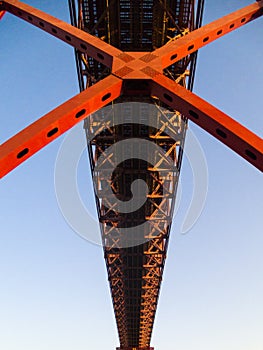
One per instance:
(135, 273)
(132, 74)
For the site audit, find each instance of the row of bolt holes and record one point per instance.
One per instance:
(194, 114)
(67, 37)
(80, 113)
(173, 57)
(100, 56)
(105, 97)
(219, 132)
(54, 131)
(83, 111)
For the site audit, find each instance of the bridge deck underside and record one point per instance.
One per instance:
(135, 270)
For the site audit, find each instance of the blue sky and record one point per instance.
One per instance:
(54, 292)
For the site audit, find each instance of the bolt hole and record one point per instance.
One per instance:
(30, 18)
(194, 114)
(52, 132)
(251, 154)
(168, 97)
(105, 97)
(231, 25)
(68, 38)
(221, 133)
(243, 20)
(20, 13)
(84, 47)
(219, 32)
(99, 55)
(191, 47)
(80, 113)
(42, 24)
(53, 30)
(173, 57)
(22, 153)
(205, 39)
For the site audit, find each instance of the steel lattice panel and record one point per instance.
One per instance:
(135, 272)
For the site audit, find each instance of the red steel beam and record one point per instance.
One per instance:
(40, 133)
(178, 49)
(73, 36)
(131, 66)
(220, 125)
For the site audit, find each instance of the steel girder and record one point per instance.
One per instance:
(135, 272)
(123, 69)
(126, 67)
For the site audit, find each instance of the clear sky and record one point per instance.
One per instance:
(54, 292)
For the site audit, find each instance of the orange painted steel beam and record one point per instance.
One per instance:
(105, 53)
(220, 125)
(131, 66)
(40, 133)
(178, 49)
(73, 36)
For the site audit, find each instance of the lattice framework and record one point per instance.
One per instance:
(120, 73)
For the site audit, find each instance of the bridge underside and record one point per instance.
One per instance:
(135, 263)
(149, 138)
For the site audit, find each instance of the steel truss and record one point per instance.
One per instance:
(135, 272)
(146, 68)
(109, 70)
(135, 269)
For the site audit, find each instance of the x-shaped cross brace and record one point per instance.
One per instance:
(146, 68)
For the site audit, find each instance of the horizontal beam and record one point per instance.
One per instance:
(180, 48)
(84, 42)
(220, 125)
(46, 129)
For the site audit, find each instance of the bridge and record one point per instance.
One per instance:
(135, 271)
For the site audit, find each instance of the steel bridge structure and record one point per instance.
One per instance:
(135, 272)
(134, 57)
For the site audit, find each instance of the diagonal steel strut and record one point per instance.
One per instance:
(73, 36)
(40, 133)
(227, 130)
(125, 67)
(177, 49)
